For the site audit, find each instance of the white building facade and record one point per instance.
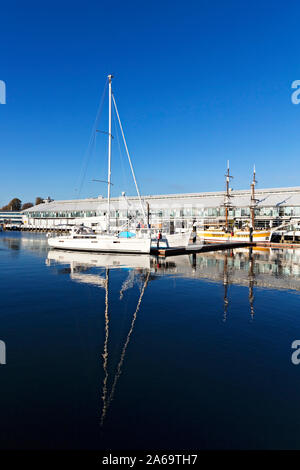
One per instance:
(274, 206)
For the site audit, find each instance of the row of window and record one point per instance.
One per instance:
(10, 213)
(177, 213)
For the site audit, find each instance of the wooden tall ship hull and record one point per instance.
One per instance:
(237, 236)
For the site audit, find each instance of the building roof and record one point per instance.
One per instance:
(240, 198)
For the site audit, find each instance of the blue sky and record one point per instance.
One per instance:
(196, 83)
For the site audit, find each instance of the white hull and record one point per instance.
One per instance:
(102, 243)
(288, 233)
(172, 241)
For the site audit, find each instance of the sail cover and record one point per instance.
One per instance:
(126, 234)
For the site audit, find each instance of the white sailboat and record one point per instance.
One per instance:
(83, 239)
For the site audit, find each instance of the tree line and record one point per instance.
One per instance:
(16, 204)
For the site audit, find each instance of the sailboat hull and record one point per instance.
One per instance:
(102, 244)
(172, 240)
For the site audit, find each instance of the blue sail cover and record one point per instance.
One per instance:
(126, 234)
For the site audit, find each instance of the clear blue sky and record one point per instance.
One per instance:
(196, 82)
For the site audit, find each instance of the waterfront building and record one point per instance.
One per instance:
(274, 206)
(11, 217)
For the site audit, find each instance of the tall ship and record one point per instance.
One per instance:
(227, 231)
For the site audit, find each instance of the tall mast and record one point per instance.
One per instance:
(227, 196)
(110, 77)
(253, 200)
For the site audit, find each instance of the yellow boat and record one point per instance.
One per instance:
(219, 235)
(229, 233)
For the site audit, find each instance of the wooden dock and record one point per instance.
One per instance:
(190, 249)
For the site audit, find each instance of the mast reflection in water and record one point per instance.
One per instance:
(122, 352)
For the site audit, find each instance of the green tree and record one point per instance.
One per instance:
(14, 205)
(38, 200)
(27, 205)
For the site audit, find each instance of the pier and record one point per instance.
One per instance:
(192, 249)
(22, 228)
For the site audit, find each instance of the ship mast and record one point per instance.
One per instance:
(110, 77)
(227, 203)
(253, 200)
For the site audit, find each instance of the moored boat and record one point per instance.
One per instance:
(173, 240)
(84, 239)
(220, 235)
(288, 232)
(230, 233)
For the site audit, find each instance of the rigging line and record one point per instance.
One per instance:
(91, 140)
(105, 350)
(129, 159)
(120, 151)
(89, 154)
(127, 284)
(119, 367)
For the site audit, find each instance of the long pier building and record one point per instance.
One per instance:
(171, 211)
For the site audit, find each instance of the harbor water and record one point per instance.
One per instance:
(134, 352)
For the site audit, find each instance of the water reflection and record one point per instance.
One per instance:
(225, 284)
(251, 282)
(275, 269)
(247, 267)
(261, 267)
(251, 267)
(80, 262)
(107, 399)
(139, 273)
(167, 330)
(16, 241)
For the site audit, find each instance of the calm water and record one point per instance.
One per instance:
(123, 352)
